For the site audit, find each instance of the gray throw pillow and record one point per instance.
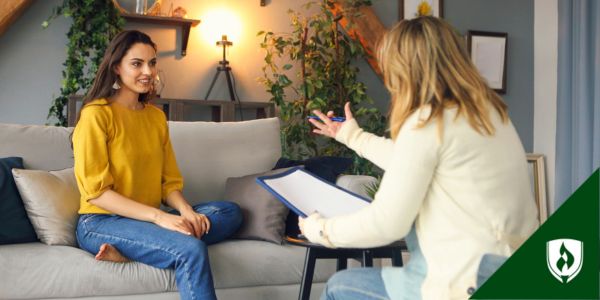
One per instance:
(51, 200)
(264, 215)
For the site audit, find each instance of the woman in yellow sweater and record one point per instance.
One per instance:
(125, 167)
(456, 183)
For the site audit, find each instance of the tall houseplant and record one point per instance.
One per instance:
(325, 78)
(95, 23)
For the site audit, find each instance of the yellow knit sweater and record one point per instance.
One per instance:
(128, 151)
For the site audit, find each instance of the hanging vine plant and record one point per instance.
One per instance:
(323, 55)
(95, 23)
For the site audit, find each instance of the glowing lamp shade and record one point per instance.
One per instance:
(219, 22)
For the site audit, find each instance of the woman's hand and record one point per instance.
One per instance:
(328, 127)
(310, 226)
(200, 223)
(174, 222)
(301, 224)
(313, 228)
(197, 224)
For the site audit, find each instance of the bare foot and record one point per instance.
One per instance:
(109, 253)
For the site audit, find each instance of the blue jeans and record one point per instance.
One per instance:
(369, 283)
(490, 263)
(162, 248)
(355, 283)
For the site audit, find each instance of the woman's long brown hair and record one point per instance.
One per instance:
(106, 75)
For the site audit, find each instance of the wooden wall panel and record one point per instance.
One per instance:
(10, 10)
(368, 29)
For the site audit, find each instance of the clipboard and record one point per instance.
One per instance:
(305, 193)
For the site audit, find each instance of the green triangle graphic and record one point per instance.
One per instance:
(526, 275)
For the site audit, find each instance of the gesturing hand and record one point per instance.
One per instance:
(328, 127)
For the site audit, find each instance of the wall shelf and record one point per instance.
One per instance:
(185, 25)
(222, 110)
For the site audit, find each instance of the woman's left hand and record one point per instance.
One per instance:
(301, 224)
(313, 228)
(310, 226)
(199, 222)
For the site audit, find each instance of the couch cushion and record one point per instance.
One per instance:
(52, 201)
(208, 153)
(255, 263)
(264, 215)
(14, 224)
(41, 147)
(35, 270)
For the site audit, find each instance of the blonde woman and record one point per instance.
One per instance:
(455, 185)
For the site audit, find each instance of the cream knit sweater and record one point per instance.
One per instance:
(468, 194)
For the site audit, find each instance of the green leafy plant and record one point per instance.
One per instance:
(372, 187)
(325, 79)
(95, 23)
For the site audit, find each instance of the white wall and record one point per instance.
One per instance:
(545, 85)
(30, 64)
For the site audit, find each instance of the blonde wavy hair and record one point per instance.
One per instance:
(424, 62)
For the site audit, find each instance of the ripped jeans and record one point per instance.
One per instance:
(163, 248)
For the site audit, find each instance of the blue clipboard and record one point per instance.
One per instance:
(347, 200)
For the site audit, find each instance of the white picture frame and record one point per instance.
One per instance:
(408, 8)
(488, 52)
(537, 174)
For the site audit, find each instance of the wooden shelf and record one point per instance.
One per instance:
(185, 25)
(222, 110)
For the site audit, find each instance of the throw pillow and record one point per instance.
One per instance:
(264, 215)
(15, 227)
(326, 167)
(52, 201)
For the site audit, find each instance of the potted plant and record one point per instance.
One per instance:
(95, 23)
(321, 54)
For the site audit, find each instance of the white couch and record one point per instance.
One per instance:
(207, 154)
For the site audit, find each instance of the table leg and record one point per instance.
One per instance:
(367, 258)
(342, 263)
(307, 275)
(397, 257)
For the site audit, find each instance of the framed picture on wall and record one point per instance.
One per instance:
(409, 9)
(537, 176)
(488, 53)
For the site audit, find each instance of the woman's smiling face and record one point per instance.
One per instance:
(137, 69)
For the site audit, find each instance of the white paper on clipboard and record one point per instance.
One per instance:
(305, 194)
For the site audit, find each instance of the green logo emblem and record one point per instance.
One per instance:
(564, 258)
